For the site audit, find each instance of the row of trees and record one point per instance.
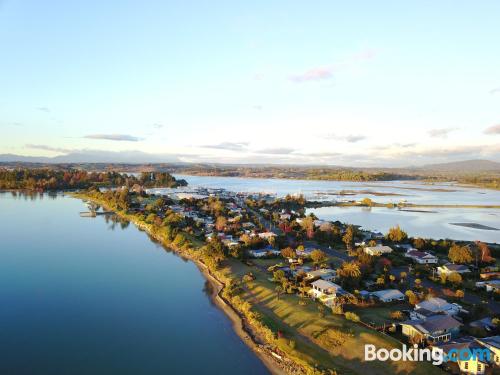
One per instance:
(57, 179)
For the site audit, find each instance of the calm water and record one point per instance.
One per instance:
(86, 296)
(430, 225)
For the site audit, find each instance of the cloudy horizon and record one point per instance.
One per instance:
(395, 85)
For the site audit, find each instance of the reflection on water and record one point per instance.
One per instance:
(208, 289)
(78, 298)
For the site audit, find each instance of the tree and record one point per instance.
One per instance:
(348, 237)
(367, 202)
(455, 278)
(396, 234)
(460, 254)
(278, 275)
(412, 298)
(308, 226)
(321, 311)
(396, 315)
(288, 252)
(349, 270)
(220, 223)
(279, 291)
(419, 243)
(318, 256)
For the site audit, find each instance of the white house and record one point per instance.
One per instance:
(450, 268)
(377, 250)
(421, 257)
(321, 288)
(389, 295)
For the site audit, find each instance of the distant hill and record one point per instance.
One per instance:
(464, 166)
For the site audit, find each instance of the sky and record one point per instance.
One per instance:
(358, 83)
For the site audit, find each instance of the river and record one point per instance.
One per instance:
(94, 296)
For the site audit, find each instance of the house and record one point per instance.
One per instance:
(492, 343)
(481, 360)
(437, 306)
(248, 225)
(260, 253)
(266, 235)
(490, 286)
(377, 250)
(285, 216)
(322, 288)
(450, 268)
(436, 328)
(305, 253)
(421, 257)
(326, 274)
(389, 295)
(485, 324)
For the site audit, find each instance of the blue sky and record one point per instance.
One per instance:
(324, 82)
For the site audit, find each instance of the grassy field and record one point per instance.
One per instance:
(378, 315)
(331, 341)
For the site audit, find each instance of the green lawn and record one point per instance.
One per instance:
(378, 315)
(331, 341)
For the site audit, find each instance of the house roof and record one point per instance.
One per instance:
(379, 249)
(434, 323)
(456, 267)
(420, 254)
(388, 294)
(321, 272)
(493, 341)
(323, 284)
(467, 342)
(434, 304)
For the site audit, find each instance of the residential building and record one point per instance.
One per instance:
(388, 295)
(434, 329)
(437, 306)
(482, 350)
(450, 268)
(322, 288)
(421, 257)
(377, 250)
(326, 274)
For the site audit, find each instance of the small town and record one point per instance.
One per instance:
(417, 291)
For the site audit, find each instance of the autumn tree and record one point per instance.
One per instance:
(318, 256)
(460, 254)
(348, 237)
(455, 278)
(288, 252)
(396, 234)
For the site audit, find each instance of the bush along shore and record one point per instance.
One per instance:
(245, 322)
(291, 332)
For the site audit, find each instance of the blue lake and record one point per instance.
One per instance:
(92, 296)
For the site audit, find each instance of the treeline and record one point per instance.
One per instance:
(51, 179)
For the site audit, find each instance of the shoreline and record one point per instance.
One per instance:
(237, 321)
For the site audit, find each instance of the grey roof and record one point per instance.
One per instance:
(456, 267)
(434, 304)
(493, 341)
(434, 323)
(388, 294)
